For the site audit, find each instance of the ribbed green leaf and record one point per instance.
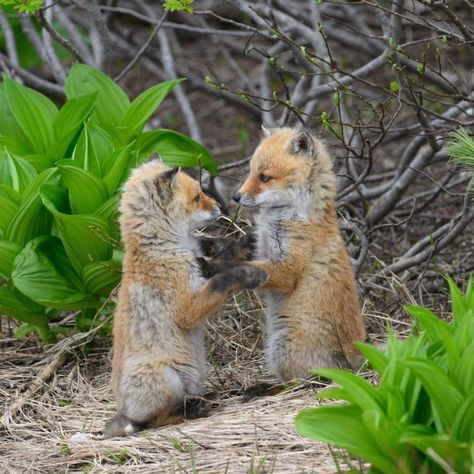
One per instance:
(83, 235)
(42, 272)
(8, 124)
(34, 113)
(9, 204)
(457, 302)
(31, 219)
(13, 306)
(142, 108)
(176, 149)
(122, 163)
(109, 209)
(73, 114)
(464, 372)
(8, 252)
(342, 427)
(111, 103)
(334, 393)
(14, 145)
(375, 357)
(17, 170)
(364, 394)
(86, 192)
(444, 394)
(100, 278)
(85, 153)
(463, 424)
(40, 162)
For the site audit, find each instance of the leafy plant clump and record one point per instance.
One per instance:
(420, 416)
(461, 149)
(60, 177)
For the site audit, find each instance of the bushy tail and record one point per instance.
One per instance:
(120, 425)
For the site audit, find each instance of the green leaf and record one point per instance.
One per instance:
(33, 112)
(93, 150)
(8, 125)
(42, 272)
(463, 424)
(142, 108)
(457, 302)
(176, 149)
(8, 252)
(334, 393)
(13, 145)
(394, 86)
(17, 170)
(464, 371)
(364, 394)
(376, 358)
(13, 306)
(123, 161)
(83, 235)
(86, 192)
(342, 427)
(100, 278)
(112, 102)
(31, 219)
(9, 204)
(444, 394)
(73, 114)
(110, 208)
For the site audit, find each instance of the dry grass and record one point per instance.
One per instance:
(237, 436)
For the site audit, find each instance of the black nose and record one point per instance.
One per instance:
(237, 197)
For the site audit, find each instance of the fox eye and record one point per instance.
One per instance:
(265, 178)
(197, 198)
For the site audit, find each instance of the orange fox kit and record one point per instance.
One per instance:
(159, 350)
(312, 310)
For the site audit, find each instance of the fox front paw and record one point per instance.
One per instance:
(240, 277)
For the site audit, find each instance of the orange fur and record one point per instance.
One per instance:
(313, 314)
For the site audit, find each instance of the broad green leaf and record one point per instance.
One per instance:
(444, 394)
(364, 394)
(100, 278)
(142, 108)
(375, 357)
(13, 306)
(464, 372)
(457, 301)
(8, 125)
(92, 149)
(9, 204)
(176, 149)
(120, 136)
(73, 114)
(34, 113)
(8, 252)
(18, 171)
(86, 192)
(40, 162)
(110, 208)
(42, 272)
(14, 145)
(31, 219)
(83, 235)
(342, 427)
(463, 424)
(334, 393)
(122, 163)
(112, 102)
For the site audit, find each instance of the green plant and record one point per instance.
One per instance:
(60, 178)
(461, 149)
(419, 418)
(24, 6)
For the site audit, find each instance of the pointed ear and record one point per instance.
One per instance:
(170, 175)
(302, 142)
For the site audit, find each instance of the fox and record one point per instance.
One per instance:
(159, 354)
(311, 301)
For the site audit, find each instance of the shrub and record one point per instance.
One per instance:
(60, 177)
(420, 416)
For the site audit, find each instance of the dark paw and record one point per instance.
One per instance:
(248, 277)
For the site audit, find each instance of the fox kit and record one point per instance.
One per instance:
(312, 309)
(159, 350)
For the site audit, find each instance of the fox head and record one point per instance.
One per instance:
(158, 198)
(289, 169)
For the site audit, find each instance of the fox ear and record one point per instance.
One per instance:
(170, 175)
(302, 142)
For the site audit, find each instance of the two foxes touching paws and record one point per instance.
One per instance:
(169, 289)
